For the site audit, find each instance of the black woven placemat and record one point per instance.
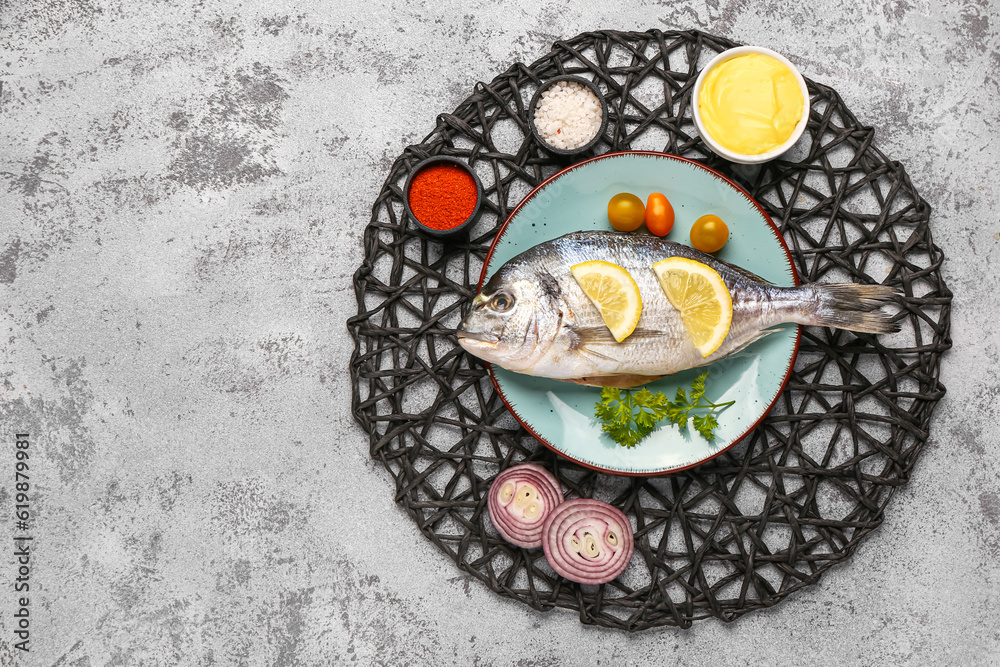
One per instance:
(744, 530)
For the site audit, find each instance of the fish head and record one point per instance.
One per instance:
(514, 319)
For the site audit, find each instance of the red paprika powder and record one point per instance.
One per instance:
(442, 196)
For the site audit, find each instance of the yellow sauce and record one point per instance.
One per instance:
(750, 104)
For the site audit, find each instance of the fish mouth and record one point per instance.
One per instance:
(478, 336)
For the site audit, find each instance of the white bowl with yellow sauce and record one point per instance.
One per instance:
(750, 104)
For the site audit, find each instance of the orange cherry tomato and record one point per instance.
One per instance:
(659, 214)
(626, 212)
(709, 233)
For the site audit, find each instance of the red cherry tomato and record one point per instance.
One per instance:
(709, 233)
(626, 212)
(659, 214)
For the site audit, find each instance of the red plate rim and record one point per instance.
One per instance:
(735, 186)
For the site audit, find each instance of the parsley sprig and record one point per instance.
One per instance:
(630, 416)
(642, 408)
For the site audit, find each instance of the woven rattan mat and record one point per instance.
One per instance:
(744, 530)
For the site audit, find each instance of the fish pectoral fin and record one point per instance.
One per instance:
(585, 339)
(602, 336)
(587, 352)
(582, 339)
(585, 336)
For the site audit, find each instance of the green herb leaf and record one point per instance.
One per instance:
(677, 414)
(628, 416)
(681, 398)
(642, 397)
(698, 388)
(604, 412)
(609, 394)
(705, 424)
(646, 420)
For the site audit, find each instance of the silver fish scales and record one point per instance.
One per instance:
(532, 317)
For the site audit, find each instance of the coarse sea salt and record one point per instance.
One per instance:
(568, 115)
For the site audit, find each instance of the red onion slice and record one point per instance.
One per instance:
(520, 499)
(588, 541)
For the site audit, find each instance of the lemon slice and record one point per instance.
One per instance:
(615, 294)
(701, 296)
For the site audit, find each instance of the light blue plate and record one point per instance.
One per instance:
(561, 414)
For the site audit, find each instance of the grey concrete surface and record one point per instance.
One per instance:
(183, 187)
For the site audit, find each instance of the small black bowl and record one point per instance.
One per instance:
(568, 151)
(459, 228)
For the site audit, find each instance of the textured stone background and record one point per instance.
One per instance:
(182, 192)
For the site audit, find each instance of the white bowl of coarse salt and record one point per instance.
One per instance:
(568, 115)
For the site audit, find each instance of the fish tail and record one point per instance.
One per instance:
(851, 306)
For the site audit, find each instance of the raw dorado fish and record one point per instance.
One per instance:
(532, 317)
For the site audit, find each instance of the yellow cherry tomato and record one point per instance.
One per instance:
(659, 214)
(709, 233)
(626, 212)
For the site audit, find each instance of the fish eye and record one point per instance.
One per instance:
(502, 302)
